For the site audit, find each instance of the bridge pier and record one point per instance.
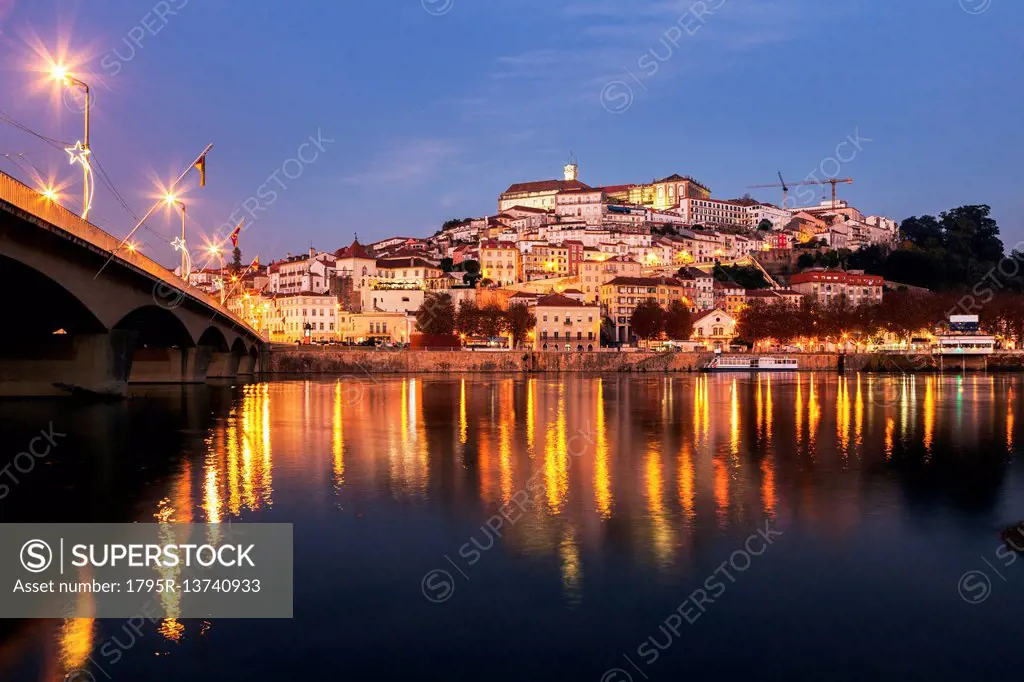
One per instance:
(223, 365)
(247, 365)
(170, 365)
(95, 362)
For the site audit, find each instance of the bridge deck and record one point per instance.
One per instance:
(49, 215)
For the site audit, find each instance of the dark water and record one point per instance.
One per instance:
(623, 498)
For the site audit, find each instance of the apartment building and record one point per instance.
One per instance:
(566, 324)
(826, 286)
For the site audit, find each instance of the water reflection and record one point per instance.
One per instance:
(641, 467)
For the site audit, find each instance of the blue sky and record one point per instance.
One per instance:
(433, 107)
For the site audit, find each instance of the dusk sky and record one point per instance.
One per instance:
(436, 106)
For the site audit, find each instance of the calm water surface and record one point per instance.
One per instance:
(627, 495)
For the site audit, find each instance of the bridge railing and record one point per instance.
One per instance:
(29, 200)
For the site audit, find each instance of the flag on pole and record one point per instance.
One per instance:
(201, 167)
(235, 233)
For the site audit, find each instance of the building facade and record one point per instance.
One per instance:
(566, 325)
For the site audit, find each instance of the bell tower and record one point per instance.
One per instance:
(572, 169)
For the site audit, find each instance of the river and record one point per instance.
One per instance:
(798, 527)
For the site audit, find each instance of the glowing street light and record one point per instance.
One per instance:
(179, 242)
(216, 252)
(49, 193)
(80, 152)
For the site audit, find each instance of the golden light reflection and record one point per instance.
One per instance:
(506, 426)
(572, 567)
(338, 440)
(858, 415)
(531, 414)
(734, 419)
(654, 484)
(890, 432)
(843, 416)
(602, 476)
(687, 476)
(799, 414)
(929, 413)
(463, 423)
(721, 473)
(768, 409)
(78, 635)
(768, 496)
(813, 414)
(1009, 418)
(556, 463)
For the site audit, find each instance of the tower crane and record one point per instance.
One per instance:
(785, 187)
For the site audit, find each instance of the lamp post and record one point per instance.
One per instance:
(180, 243)
(218, 252)
(80, 152)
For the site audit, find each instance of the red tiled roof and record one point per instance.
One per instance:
(558, 301)
(354, 250)
(546, 186)
(405, 263)
(644, 281)
(529, 209)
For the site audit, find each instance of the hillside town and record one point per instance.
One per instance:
(581, 258)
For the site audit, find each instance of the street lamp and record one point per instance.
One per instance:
(80, 152)
(217, 252)
(179, 243)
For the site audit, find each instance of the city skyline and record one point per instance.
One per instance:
(401, 160)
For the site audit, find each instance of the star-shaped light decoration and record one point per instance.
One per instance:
(179, 245)
(79, 154)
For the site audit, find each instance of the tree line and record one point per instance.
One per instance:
(439, 315)
(901, 313)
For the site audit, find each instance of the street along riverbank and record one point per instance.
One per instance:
(343, 361)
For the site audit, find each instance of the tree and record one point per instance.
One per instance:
(436, 315)
(678, 321)
(447, 264)
(608, 331)
(236, 260)
(492, 321)
(519, 321)
(765, 225)
(467, 320)
(805, 261)
(472, 268)
(648, 320)
(454, 222)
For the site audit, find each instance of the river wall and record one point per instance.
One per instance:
(347, 361)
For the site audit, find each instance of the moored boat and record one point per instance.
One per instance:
(742, 363)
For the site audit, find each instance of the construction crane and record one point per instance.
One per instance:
(785, 187)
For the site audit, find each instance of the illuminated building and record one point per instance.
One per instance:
(717, 329)
(621, 295)
(501, 262)
(826, 286)
(565, 324)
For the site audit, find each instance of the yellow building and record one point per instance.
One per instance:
(501, 262)
(303, 317)
(667, 192)
(621, 296)
(360, 327)
(545, 261)
(595, 273)
(567, 325)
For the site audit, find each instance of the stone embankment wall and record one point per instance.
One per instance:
(338, 362)
(331, 361)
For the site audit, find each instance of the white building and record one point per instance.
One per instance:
(303, 317)
(778, 217)
(713, 212)
(295, 274)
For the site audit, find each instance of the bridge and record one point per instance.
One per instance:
(65, 329)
